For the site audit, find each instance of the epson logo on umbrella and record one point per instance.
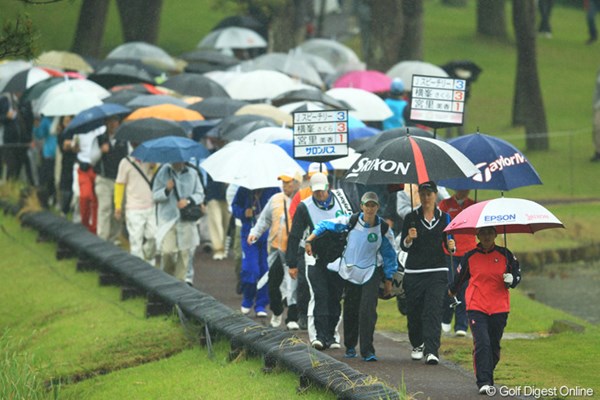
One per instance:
(367, 164)
(500, 218)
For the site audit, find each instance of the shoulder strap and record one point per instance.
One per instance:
(140, 171)
(200, 176)
(343, 200)
(353, 221)
(384, 227)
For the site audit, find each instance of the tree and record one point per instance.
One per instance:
(528, 105)
(411, 47)
(140, 19)
(491, 20)
(17, 38)
(381, 43)
(90, 28)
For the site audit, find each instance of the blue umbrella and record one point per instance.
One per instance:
(95, 117)
(502, 166)
(288, 146)
(361, 132)
(170, 149)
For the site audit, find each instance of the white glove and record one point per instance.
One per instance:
(508, 279)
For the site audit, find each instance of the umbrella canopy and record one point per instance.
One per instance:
(312, 95)
(25, 79)
(410, 159)
(96, 116)
(236, 127)
(288, 146)
(115, 72)
(507, 215)
(361, 132)
(406, 69)
(290, 64)
(69, 103)
(279, 116)
(366, 106)
(341, 57)
(251, 165)
(217, 107)
(269, 134)
(122, 97)
(232, 37)
(9, 68)
(253, 85)
(204, 60)
(147, 53)
(501, 165)
(347, 162)
(147, 100)
(35, 91)
(370, 80)
(376, 140)
(64, 60)
(165, 111)
(170, 149)
(195, 85)
(70, 86)
(141, 130)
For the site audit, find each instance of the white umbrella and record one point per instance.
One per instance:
(340, 56)
(72, 85)
(290, 64)
(260, 85)
(232, 37)
(266, 110)
(69, 103)
(345, 162)
(9, 68)
(406, 69)
(366, 105)
(251, 165)
(147, 53)
(269, 134)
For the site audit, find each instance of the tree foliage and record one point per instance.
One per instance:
(17, 38)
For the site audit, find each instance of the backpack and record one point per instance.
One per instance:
(330, 246)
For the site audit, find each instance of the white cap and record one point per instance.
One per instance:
(319, 182)
(317, 167)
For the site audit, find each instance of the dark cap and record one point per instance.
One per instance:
(369, 196)
(429, 185)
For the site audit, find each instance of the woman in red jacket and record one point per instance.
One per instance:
(490, 270)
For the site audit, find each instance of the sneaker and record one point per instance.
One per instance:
(446, 328)
(370, 357)
(303, 323)
(263, 314)
(293, 326)
(350, 353)
(335, 345)
(461, 333)
(275, 320)
(218, 256)
(317, 344)
(431, 359)
(245, 310)
(487, 390)
(417, 352)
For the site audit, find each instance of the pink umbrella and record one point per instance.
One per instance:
(507, 215)
(370, 80)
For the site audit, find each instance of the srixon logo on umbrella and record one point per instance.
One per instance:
(376, 164)
(500, 218)
(497, 165)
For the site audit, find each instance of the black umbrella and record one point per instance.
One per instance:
(299, 95)
(217, 107)
(113, 72)
(383, 136)
(195, 85)
(410, 159)
(121, 97)
(143, 129)
(236, 127)
(39, 88)
(210, 56)
(25, 79)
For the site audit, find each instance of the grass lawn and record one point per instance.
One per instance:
(58, 325)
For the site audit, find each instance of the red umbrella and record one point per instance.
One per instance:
(370, 80)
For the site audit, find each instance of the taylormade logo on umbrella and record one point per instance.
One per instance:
(391, 166)
(498, 165)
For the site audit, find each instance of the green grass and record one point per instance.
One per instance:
(62, 327)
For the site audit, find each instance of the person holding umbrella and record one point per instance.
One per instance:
(425, 273)
(491, 270)
(175, 186)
